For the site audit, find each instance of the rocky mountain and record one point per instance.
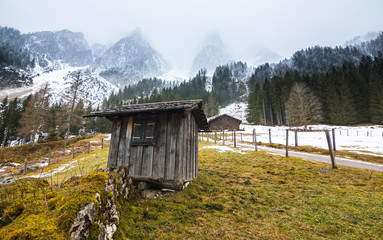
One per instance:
(29, 61)
(66, 46)
(129, 60)
(212, 54)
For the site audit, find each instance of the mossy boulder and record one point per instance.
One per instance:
(81, 208)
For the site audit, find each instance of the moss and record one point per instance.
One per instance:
(55, 207)
(12, 212)
(95, 231)
(31, 227)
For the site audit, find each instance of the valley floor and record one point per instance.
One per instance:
(238, 194)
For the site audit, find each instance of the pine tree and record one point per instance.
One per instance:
(211, 106)
(340, 102)
(376, 90)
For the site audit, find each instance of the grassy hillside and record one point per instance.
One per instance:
(235, 196)
(261, 196)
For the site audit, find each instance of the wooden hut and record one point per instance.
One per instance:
(158, 142)
(225, 122)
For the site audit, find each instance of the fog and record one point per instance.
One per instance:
(177, 28)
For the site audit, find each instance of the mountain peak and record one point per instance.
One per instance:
(214, 39)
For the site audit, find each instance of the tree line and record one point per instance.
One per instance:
(227, 86)
(26, 121)
(348, 94)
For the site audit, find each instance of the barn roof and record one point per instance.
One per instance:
(194, 106)
(220, 116)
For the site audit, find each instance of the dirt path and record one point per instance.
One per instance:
(310, 156)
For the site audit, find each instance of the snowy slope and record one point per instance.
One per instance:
(237, 110)
(93, 90)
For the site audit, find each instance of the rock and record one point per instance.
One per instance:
(152, 194)
(118, 187)
(142, 186)
(167, 190)
(83, 223)
(324, 170)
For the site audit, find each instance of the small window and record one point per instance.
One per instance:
(143, 132)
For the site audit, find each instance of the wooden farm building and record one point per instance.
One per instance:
(225, 122)
(158, 142)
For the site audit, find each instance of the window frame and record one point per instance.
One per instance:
(144, 123)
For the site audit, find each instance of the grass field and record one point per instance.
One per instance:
(256, 195)
(243, 196)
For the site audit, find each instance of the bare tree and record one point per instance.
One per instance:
(34, 119)
(71, 96)
(302, 106)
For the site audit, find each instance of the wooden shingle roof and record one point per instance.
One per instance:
(194, 106)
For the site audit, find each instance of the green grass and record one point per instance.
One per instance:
(261, 196)
(235, 196)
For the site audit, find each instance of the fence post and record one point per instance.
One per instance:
(25, 166)
(215, 136)
(333, 139)
(235, 140)
(269, 135)
(49, 159)
(287, 143)
(254, 135)
(102, 143)
(72, 151)
(88, 147)
(255, 140)
(223, 133)
(296, 138)
(330, 149)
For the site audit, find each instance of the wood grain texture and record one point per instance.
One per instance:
(114, 142)
(122, 142)
(128, 140)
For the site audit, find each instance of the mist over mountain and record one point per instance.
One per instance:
(257, 55)
(361, 39)
(28, 61)
(212, 54)
(129, 60)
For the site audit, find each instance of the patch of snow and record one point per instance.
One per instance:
(360, 138)
(14, 164)
(108, 137)
(221, 149)
(237, 110)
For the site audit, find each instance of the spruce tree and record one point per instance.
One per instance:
(376, 90)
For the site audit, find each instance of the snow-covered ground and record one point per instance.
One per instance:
(361, 139)
(356, 139)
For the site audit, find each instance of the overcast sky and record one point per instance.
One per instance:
(176, 28)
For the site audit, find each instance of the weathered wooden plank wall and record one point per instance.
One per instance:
(174, 155)
(114, 143)
(128, 135)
